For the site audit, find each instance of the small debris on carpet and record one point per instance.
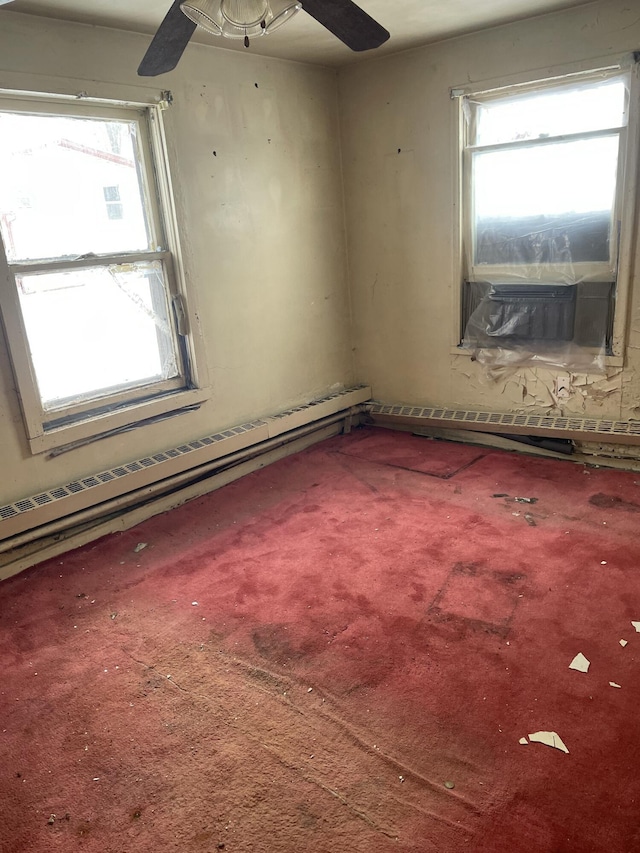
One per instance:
(549, 739)
(524, 741)
(580, 663)
(623, 643)
(613, 684)
(139, 547)
(52, 820)
(450, 785)
(530, 519)
(636, 625)
(526, 500)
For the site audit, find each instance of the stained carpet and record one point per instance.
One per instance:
(340, 652)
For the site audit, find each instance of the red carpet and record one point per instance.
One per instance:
(302, 660)
(414, 453)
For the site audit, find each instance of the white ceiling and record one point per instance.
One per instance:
(410, 22)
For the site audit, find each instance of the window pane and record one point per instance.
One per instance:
(111, 193)
(545, 204)
(589, 107)
(56, 173)
(95, 331)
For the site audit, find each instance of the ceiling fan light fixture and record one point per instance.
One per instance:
(205, 13)
(244, 13)
(281, 12)
(240, 19)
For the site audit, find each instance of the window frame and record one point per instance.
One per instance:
(624, 211)
(56, 427)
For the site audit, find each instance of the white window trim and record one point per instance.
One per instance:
(627, 177)
(46, 431)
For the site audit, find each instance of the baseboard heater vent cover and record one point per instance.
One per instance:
(57, 494)
(585, 429)
(57, 502)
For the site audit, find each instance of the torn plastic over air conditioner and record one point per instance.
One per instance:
(542, 238)
(516, 325)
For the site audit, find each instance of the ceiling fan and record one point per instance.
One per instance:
(247, 19)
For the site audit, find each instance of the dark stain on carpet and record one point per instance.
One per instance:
(603, 501)
(509, 578)
(272, 642)
(470, 569)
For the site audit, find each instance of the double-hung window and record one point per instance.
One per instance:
(95, 321)
(543, 187)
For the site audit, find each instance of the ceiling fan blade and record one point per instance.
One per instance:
(351, 24)
(168, 44)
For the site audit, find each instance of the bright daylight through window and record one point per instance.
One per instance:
(542, 207)
(91, 288)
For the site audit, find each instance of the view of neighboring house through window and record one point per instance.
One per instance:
(542, 206)
(112, 199)
(82, 240)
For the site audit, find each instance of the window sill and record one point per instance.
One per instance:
(95, 427)
(609, 360)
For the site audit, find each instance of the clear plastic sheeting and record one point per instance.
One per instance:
(542, 197)
(545, 213)
(549, 109)
(526, 244)
(564, 326)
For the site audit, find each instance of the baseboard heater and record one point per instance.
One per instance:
(103, 492)
(580, 429)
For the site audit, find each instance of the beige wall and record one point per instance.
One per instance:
(399, 156)
(261, 226)
(262, 223)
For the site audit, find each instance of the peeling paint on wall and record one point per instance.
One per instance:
(544, 391)
(631, 392)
